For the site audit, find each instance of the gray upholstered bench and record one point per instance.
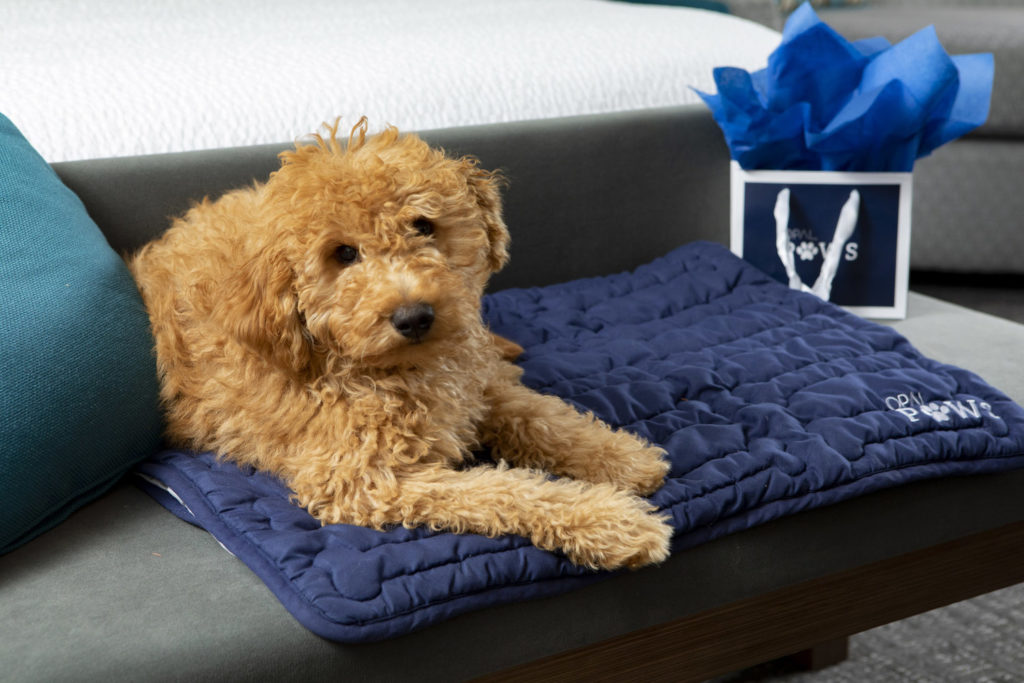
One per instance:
(124, 590)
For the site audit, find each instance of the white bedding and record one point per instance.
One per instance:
(98, 78)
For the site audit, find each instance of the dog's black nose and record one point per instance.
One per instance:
(413, 321)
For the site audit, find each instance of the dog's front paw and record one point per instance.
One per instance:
(626, 534)
(630, 463)
(647, 470)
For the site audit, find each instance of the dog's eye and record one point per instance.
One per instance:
(346, 255)
(423, 226)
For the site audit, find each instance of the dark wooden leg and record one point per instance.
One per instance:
(821, 655)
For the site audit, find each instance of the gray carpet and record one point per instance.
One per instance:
(976, 641)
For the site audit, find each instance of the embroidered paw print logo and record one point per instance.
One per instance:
(936, 411)
(806, 251)
(913, 406)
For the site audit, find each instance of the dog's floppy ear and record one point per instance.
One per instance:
(486, 186)
(261, 307)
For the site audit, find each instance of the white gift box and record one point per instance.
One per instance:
(842, 236)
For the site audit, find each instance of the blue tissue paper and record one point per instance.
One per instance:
(823, 103)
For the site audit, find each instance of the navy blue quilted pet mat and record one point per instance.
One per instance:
(767, 400)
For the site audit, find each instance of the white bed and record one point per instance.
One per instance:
(99, 78)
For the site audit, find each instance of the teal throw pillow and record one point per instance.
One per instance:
(78, 388)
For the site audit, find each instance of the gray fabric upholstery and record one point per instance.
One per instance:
(134, 198)
(987, 345)
(564, 175)
(968, 208)
(762, 11)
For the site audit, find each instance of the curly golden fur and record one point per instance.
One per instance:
(325, 327)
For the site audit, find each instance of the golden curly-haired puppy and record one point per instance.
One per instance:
(325, 327)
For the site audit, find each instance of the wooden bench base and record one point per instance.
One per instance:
(795, 619)
(822, 655)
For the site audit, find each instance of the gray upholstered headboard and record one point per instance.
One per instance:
(587, 195)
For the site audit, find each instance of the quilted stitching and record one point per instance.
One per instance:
(768, 401)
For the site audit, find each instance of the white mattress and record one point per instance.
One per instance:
(99, 78)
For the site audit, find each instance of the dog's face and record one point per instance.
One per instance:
(379, 252)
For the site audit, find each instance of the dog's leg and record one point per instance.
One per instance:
(534, 430)
(343, 464)
(595, 525)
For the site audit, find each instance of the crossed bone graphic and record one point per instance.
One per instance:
(844, 229)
